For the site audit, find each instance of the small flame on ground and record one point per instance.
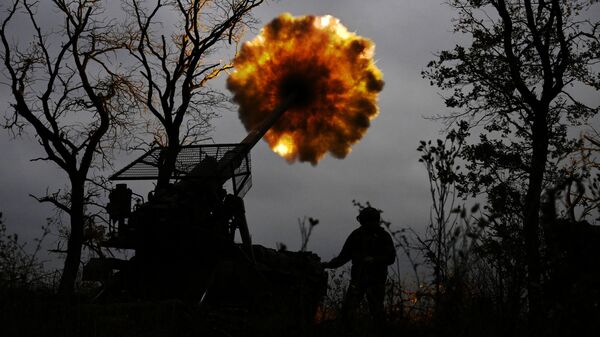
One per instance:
(329, 70)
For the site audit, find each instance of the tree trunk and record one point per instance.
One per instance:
(531, 223)
(166, 166)
(75, 241)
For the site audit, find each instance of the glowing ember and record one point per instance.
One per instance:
(284, 146)
(331, 74)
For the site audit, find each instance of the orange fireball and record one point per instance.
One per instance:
(328, 71)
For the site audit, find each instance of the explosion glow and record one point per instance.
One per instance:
(329, 71)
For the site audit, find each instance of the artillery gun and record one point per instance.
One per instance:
(183, 237)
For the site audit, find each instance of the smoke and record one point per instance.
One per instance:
(329, 71)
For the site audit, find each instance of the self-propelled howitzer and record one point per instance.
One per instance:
(183, 235)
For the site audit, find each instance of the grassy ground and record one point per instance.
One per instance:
(40, 313)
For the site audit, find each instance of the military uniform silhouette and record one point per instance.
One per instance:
(371, 250)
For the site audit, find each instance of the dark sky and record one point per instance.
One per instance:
(382, 167)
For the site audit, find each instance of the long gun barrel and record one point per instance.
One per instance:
(233, 158)
(258, 132)
(213, 164)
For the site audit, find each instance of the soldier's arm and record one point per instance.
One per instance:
(389, 250)
(344, 256)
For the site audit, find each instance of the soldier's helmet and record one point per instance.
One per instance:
(368, 216)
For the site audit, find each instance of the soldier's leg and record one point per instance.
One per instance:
(354, 296)
(375, 297)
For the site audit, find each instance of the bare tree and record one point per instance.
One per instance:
(443, 229)
(64, 87)
(175, 66)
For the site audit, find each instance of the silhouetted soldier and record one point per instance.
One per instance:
(371, 250)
